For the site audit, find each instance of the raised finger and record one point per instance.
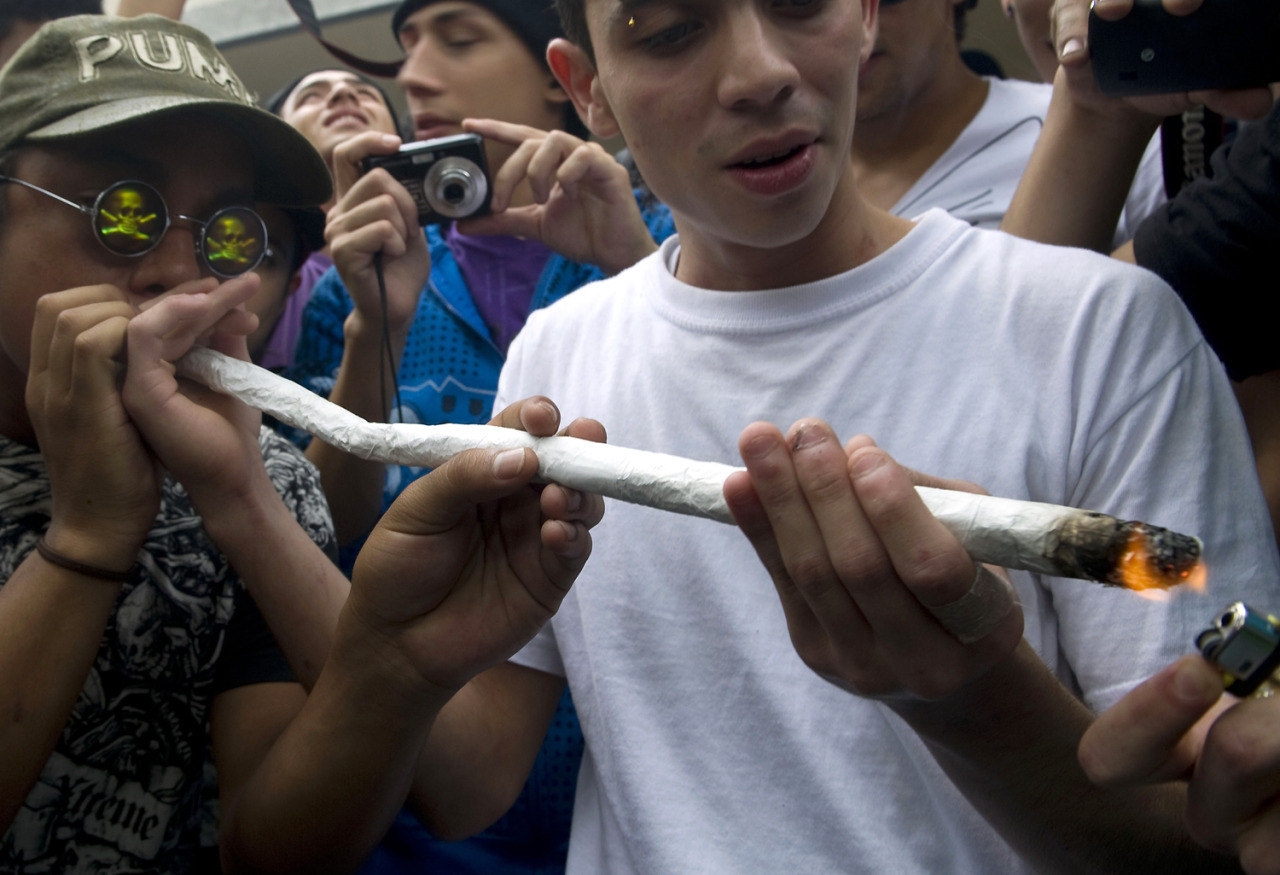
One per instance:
(537, 415)
(753, 520)
(349, 155)
(561, 502)
(1144, 737)
(799, 482)
(504, 132)
(454, 489)
(49, 307)
(546, 162)
(926, 567)
(504, 182)
(76, 353)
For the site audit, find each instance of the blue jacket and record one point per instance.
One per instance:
(449, 369)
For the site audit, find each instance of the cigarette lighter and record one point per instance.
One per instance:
(1245, 646)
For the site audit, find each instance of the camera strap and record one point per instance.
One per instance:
(311, 24)
(1186, 143)
(387, 356)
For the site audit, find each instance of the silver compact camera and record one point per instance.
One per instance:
(448, 177)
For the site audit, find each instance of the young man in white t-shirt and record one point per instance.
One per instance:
(933, 133)
(849, 731)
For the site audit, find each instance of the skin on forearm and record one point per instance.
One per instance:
(1078, 178)
(1009, 744)
(355, 738)
(298, 589)
(482, 748)
(51, 626)
(353, 485)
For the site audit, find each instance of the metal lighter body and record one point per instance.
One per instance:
(1244, 645)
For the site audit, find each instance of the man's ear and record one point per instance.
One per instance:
(870, 24)
(577, 76)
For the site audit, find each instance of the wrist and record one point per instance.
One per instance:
(112, 564)
(369, 651)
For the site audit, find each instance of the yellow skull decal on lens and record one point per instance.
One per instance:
(233, 241)
(129, 218)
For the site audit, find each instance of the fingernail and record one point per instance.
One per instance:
(572, 499)
(508, 463)
(1071, 47)
(807, 436)
(1191, 685)
(390, 140)
(758, 447)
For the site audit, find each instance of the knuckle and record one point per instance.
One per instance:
(944, 574)
(1237, 750)
(810, 571)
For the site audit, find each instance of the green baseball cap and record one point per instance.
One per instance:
(91, 73)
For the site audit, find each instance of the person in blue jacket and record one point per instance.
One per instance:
(563, 214)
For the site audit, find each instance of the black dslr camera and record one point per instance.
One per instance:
(1223, 44)
(448, 177)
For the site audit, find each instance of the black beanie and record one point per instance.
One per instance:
(534, 21)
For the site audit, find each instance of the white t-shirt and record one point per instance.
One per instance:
(1041, 373)
(976, 177)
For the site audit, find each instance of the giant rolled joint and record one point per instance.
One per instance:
(1032, 536)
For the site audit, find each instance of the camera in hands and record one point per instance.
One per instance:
(447, 177)
(1223, 44)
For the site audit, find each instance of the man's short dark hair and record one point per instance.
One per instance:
(43, 10)
(573, 19)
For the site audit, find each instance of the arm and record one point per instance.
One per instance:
(1075, 184)
(462, 570)
(583, 206)
(1178, 727)
(106, 493)
(856, 558)
(209, 443)
(373, 216)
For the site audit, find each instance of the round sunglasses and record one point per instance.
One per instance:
(130, 218)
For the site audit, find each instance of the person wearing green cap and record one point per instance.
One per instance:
(166, 600)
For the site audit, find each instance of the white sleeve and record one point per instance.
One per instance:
(1171, 451)
(1145, 195)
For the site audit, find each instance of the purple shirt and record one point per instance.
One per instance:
(278, 351)
(502, 274)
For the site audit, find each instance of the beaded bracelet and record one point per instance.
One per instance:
(53, 557)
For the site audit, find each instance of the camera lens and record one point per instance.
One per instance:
(455, 187)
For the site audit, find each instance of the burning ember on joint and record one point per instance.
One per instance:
(1154, 559)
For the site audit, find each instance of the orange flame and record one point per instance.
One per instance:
(1139, 573)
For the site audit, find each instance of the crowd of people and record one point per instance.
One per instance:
(832, 254)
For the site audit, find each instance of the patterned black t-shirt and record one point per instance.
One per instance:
(122, 791)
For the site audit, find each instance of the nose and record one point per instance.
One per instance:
(757, 67)
(174, 261)
(341, 91)
(417, 74)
